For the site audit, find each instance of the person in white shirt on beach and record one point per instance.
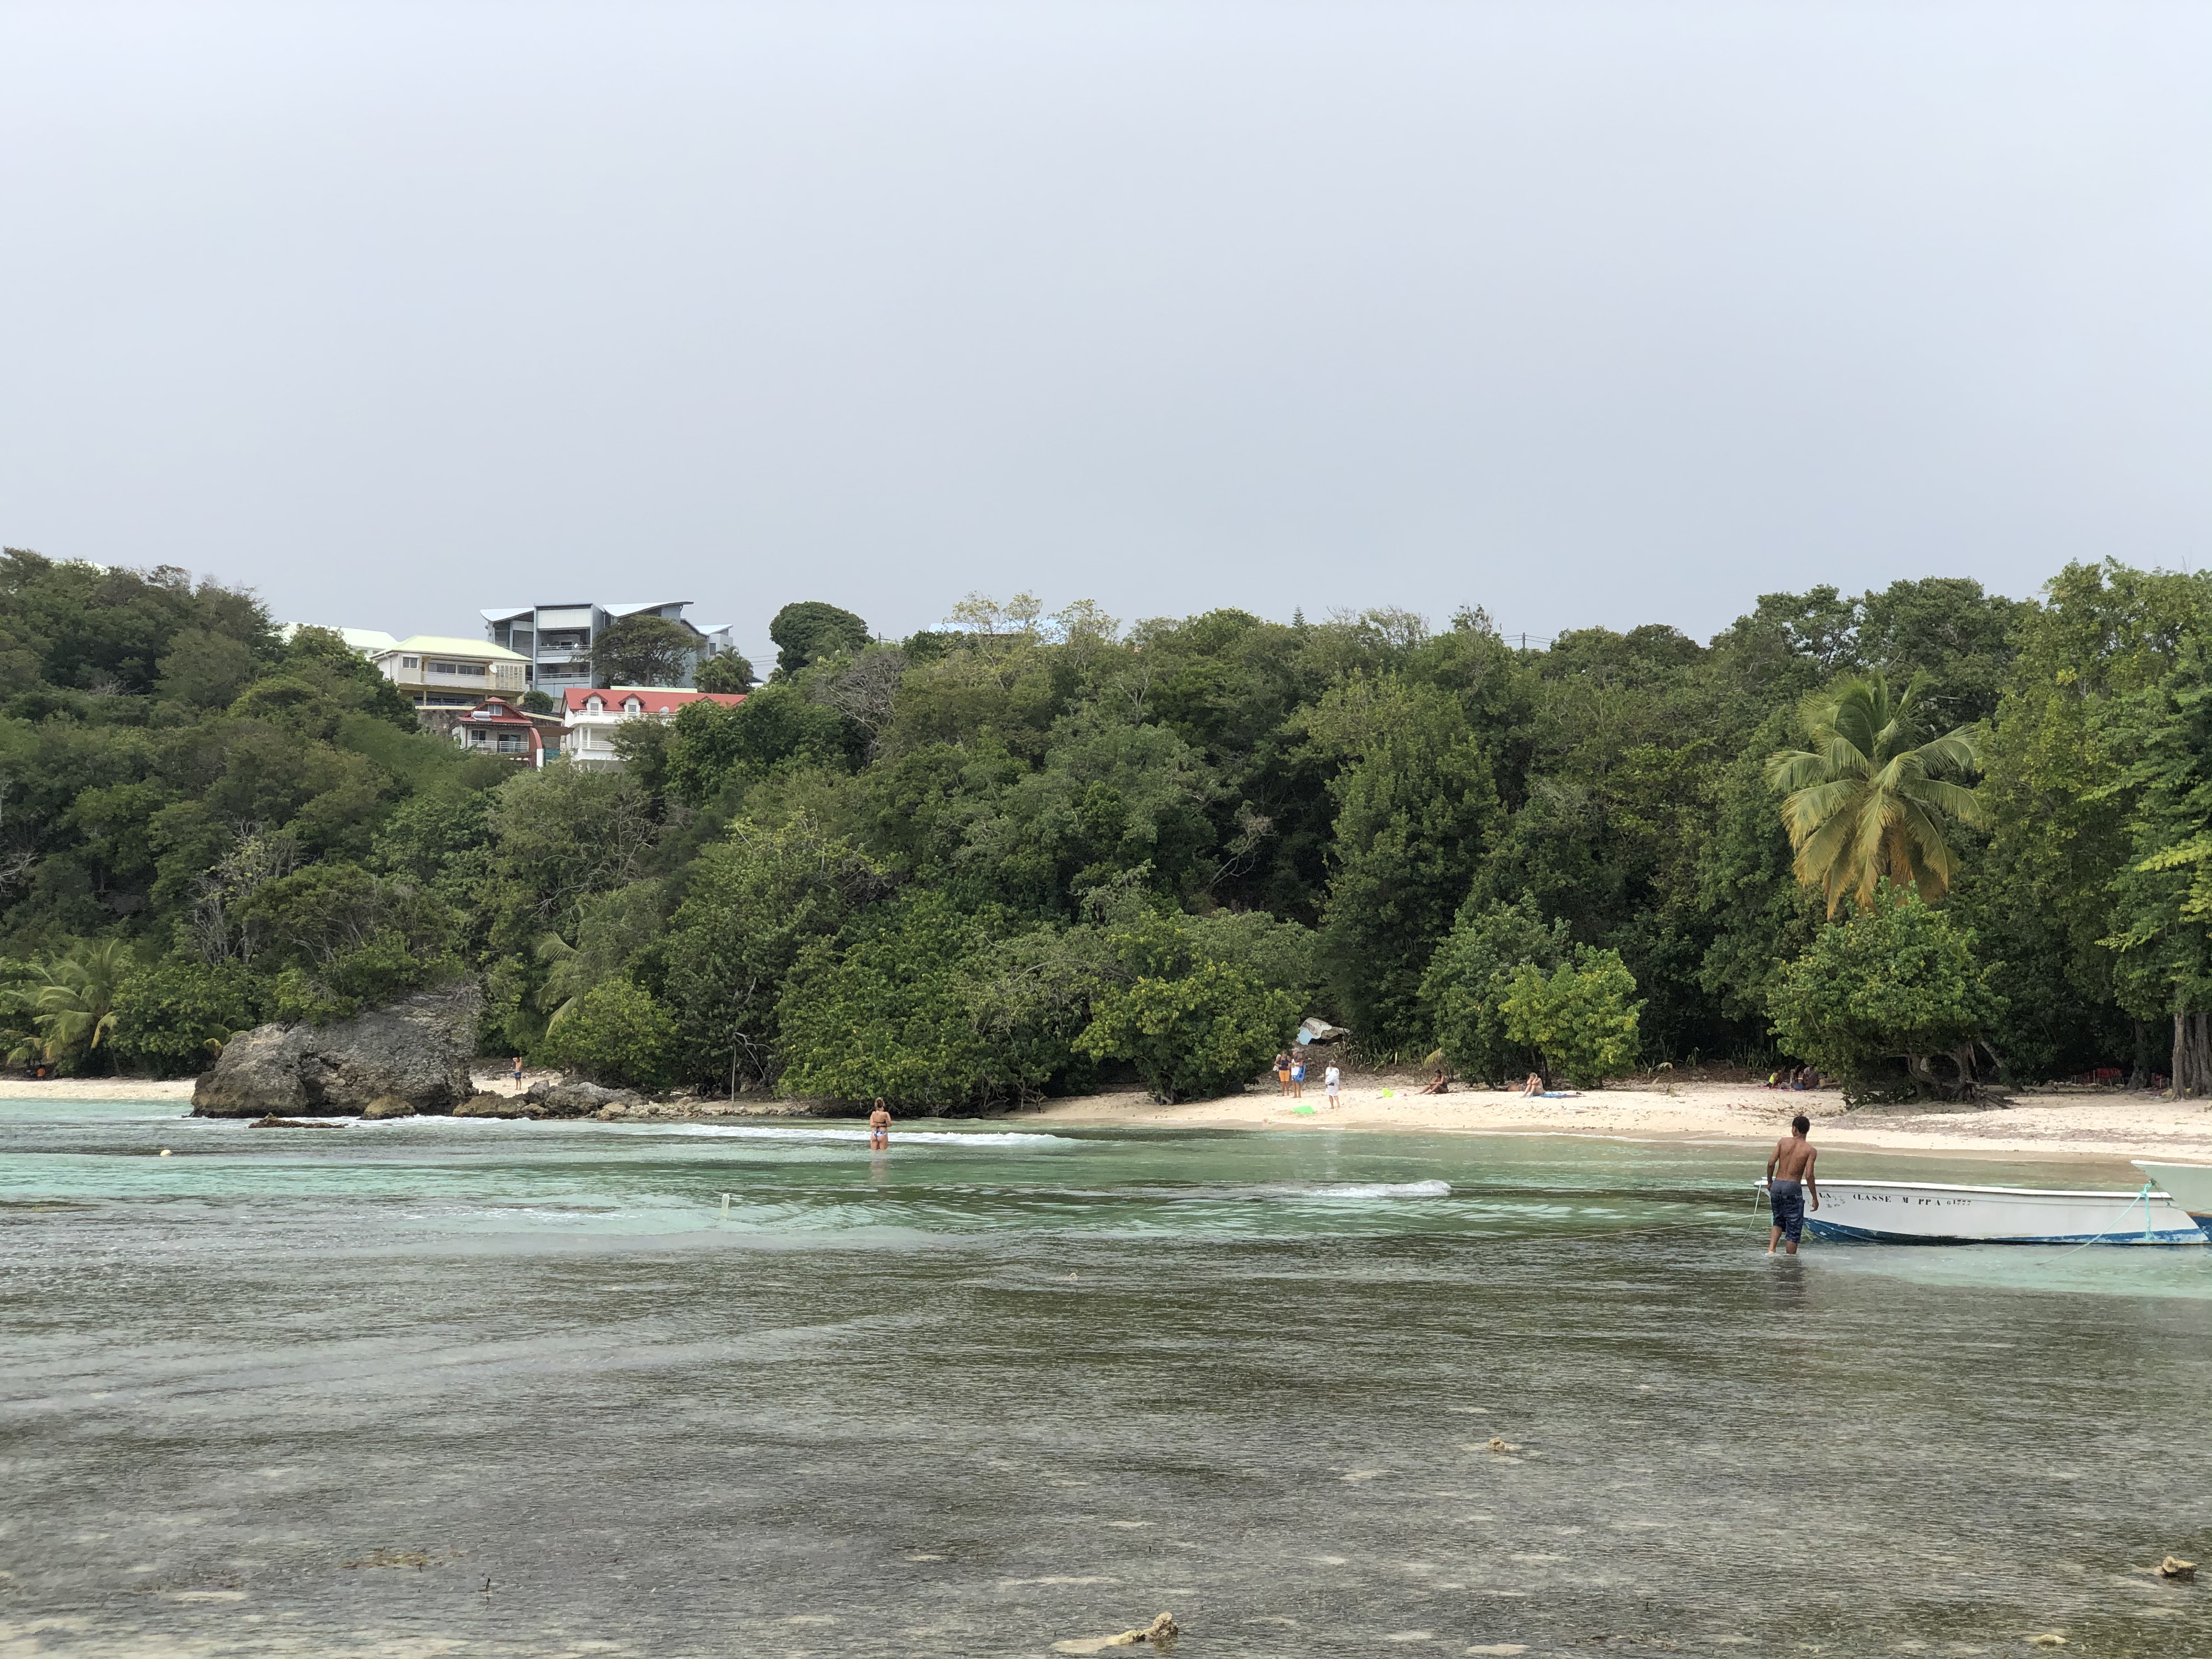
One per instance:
(1332, 1080)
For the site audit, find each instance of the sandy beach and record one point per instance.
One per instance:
(2048, 1123)
(2064, 1122)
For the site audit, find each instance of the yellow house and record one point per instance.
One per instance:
(438, 672)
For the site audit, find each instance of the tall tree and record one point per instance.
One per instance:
(2163, 909)
(2060, 791)
(1867, 797)
(809, 630)
(726, 671)
(644, 650)
(1415, 801)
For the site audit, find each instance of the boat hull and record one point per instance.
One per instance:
(1929, 1213)
(2189, 1184)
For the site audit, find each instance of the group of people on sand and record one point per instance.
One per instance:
(1804, 1077)
(1291, 1077)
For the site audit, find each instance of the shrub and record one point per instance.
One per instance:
(1199, 1034)
(1579, 1016)
(173, 1019)
(1875, 998)
(615, 1034)
(893, 1014)
(1469, 977)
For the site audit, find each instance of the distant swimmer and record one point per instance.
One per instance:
(879, 1127)
(1789, 1182)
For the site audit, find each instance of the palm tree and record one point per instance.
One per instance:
(74, 1009)
(1866, 799)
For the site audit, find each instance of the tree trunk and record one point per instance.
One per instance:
(2192, 1055)
(2139, 1077)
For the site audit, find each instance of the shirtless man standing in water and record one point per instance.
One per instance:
(879, 1127)
(1789, 1179)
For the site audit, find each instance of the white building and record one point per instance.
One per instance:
(557, 639)
(591, 714)
(438, 672)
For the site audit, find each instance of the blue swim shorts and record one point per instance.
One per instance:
(1788, 1200)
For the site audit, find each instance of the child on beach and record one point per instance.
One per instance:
(1332, 1080)
(1298, 1080)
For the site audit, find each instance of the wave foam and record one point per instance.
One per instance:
(1372, 1190)
(842, 1137)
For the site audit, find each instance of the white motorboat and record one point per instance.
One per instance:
(2189, 1184)
(1931, 1212)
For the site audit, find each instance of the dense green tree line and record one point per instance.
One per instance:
(1022, 853)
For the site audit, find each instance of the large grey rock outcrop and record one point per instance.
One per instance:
(544, 1100)
(416, 1050)
(576, 1099)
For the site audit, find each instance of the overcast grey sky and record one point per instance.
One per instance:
(1584, 312)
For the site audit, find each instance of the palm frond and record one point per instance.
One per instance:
(1957, 750)
(1919, 829)
(1960, 802)
(1804, 812)
(1790, 769)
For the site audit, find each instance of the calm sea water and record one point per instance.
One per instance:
(482, 1388)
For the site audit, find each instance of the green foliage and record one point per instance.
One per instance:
(619, 1035)
(1336, 810)
(612, 929)
(173, 1019)
(752, 904)
(893, 1014)
(1886, 990)
(1470, 977)
(726, 672)
(1415, 798)
(535, 702)
(1580, 1017)
(811, 631)
(712, 746)
(341, 938)
(70, 628)
(558, 836)
(1197, 1034)
(644, 649)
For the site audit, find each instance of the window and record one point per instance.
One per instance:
(472, 670)
(593, 705)
(411, 662)
(632, 706)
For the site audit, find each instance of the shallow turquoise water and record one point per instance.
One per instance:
(1000, 1388)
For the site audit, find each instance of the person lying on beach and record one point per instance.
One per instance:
(879, 1127)
(1435, 1086)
